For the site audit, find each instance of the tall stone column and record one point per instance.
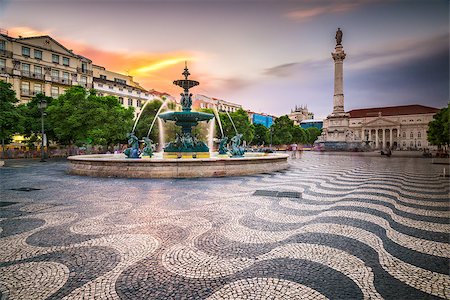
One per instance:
(376, 138)
(391, 138)
(338, 98)
(384, 137)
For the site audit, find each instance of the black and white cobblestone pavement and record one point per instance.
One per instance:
(362, 228)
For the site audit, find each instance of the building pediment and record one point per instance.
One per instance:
(381, 122)
(48, 43)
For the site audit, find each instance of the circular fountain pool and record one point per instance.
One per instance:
(116, 165)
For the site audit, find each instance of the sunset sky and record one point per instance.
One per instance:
(266, 55)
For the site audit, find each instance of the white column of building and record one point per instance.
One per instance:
(391, 139)
(370, 134)
(376, 138)
(362, 134)
(384, 137)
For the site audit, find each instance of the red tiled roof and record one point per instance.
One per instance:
(392, 111)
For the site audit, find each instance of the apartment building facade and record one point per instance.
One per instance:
(129, 92)
(40, 64)
(202, 101)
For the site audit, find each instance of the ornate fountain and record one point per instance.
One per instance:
(186, 145)
(197, 162)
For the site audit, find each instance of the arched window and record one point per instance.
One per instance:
(411, 135)
(404, 135)
(419, 135)
(419, 144)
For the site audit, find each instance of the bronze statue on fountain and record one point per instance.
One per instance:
(186, 144)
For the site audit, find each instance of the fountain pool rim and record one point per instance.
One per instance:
(113, 165)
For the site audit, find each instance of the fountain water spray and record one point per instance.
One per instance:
(211, 130)
(162, 139)
(157, 114)
(216, 113)
(139, 116)
(232, 123)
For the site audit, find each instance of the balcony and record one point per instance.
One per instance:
(5, 70)
(86, 85)
(84, 71)
(38, 76)
(61, 80)
(6, 53)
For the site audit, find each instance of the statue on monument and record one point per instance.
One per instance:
(339, 37)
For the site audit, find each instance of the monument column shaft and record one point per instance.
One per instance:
(338, 98)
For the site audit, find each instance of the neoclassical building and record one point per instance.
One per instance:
(397, 127)
(40, 64)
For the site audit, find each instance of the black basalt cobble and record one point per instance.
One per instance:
(165, 239)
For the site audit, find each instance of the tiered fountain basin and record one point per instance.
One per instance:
(116, 165)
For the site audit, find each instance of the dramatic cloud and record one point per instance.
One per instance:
(310, 9)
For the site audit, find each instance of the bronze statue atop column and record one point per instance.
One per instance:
(339, 37)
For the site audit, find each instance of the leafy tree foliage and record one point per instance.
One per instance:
(241, 121)
(438, 129)
(10, 118)
(282, 130)
(262, 135)
(79, 116)
(31, 120)
(299, 135)
(313, 134)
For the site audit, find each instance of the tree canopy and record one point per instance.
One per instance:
(262, 135)
(241, 122)
(79, 116)
(31, 119)
(10, 118)
(438, 129)
(282, 130)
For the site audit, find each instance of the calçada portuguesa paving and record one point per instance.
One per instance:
(336, 227)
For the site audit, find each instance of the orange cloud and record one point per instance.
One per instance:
(26, 32)
(311, 11)
(151, 70)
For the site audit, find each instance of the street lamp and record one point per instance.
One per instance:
(271, 133)
(42, 106)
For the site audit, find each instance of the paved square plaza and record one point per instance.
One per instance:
(329, 227)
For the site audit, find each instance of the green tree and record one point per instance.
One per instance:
(282, 130)
(79, 116)
(241, 122)
(31, 120)
(10, 118)
(262, 135)
(313, 134)
(299, 135)
(438, 129)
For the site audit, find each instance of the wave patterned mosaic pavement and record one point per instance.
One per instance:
(329, 227)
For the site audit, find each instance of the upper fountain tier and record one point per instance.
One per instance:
(186, 118)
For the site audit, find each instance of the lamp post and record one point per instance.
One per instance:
(271, 133)
(42, 106)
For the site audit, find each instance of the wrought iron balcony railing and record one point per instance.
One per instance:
(6, 53)
(84, 71)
